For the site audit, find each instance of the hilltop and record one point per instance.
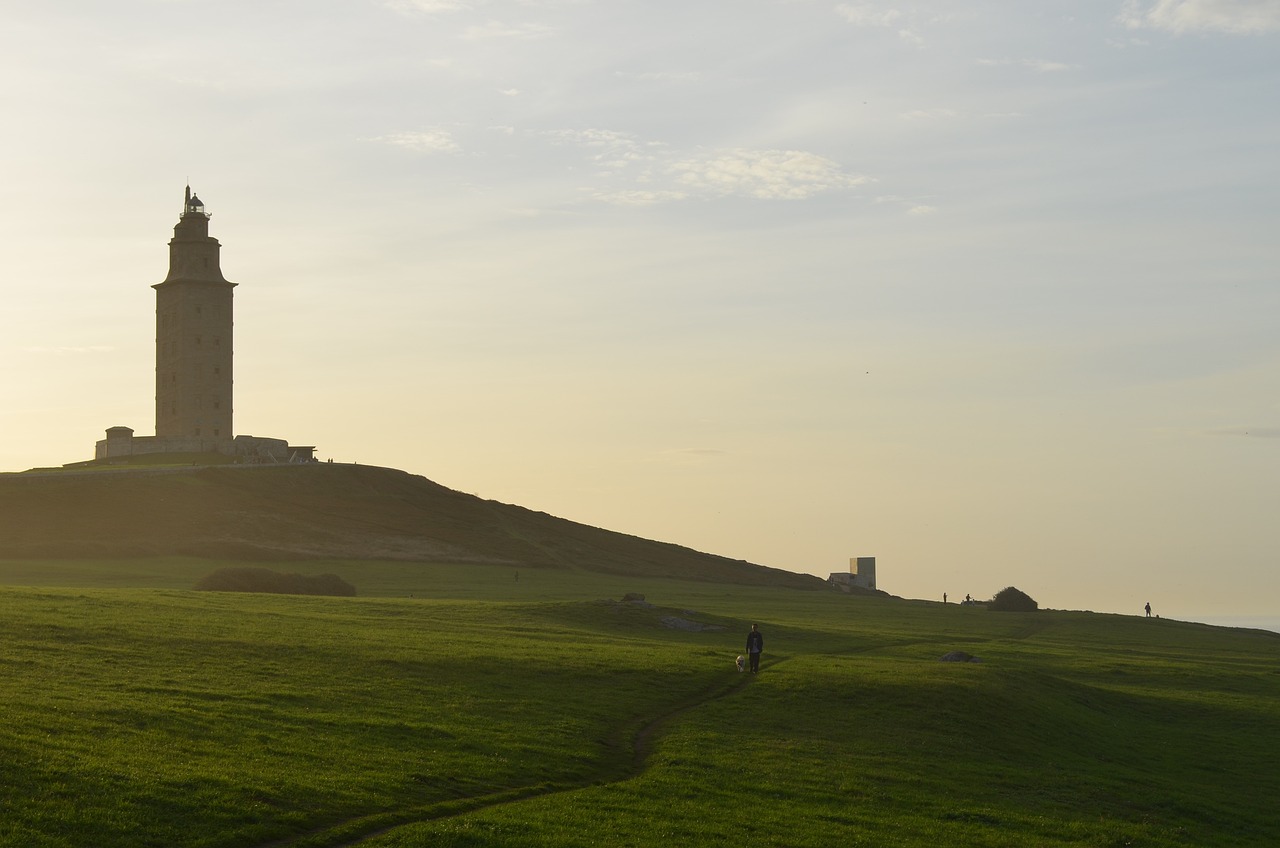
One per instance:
(322, 511)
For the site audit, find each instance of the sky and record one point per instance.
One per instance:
(986, 290)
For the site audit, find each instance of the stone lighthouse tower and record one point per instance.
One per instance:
(193, 365)
(193, 338)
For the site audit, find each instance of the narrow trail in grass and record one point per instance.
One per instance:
(629, 745)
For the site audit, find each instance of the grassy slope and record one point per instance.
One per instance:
(889, 747)
(320, 511)
(161, 717)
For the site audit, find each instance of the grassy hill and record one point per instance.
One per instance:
(209, 720)
(321, 511)
(451, 705)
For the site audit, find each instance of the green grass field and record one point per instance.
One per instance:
(490, 711)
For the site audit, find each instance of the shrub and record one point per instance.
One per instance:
(273, 582)
(1011, 599)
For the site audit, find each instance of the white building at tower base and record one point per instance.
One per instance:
(121, 444)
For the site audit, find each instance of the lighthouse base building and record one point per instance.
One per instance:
(193, 362)
(121, 446)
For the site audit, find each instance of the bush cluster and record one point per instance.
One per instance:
(1011, 599)
(265, 580)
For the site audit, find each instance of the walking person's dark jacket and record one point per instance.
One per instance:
(755, 646)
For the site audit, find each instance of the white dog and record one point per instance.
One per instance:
(741, 663)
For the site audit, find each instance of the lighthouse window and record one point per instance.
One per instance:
(197, 341)
(198, 309)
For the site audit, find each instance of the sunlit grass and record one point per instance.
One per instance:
(174, 718)
(1036, 746)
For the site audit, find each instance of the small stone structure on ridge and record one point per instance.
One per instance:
(861, 575)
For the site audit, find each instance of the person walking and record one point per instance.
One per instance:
(755, 645)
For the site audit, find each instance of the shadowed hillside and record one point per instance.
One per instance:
(321, 511)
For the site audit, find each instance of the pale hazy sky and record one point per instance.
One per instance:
(987, 290)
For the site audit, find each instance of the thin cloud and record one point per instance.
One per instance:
(1235, 17)
(912, 207)
(645, 173)
(636, 197)
(591, 137)
(868, 15)
(930, 114)
(614, 150)
(423, 141)
(879, 16)
(661, 76)
(763, 174)
(1041, 66)
(429, 7)
(498, 29)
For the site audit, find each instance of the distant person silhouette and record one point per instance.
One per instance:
(944, 597)
(755, 645)
(1148, 610)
